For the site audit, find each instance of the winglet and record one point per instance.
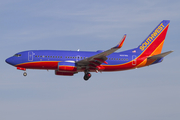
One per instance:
(120, 44)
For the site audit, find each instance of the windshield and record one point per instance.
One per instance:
(17, 55)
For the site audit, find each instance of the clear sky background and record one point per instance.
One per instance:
(149, 93)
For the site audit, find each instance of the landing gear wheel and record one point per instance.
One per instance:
(87, 76)
(25, 74)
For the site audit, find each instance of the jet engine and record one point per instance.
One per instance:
(64, 73)
(66, 68)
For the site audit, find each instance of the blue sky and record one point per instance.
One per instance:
(147, 93)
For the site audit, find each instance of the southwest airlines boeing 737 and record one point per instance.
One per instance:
(68, 63)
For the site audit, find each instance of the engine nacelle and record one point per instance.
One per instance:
(67, 67)
(64, 73)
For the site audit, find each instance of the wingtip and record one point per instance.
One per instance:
(120, 44)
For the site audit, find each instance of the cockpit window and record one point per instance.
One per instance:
(17, 55)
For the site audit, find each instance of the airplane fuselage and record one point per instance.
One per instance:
(49, 59)
(69, 63)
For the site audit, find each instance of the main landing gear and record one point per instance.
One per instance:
(87, 75)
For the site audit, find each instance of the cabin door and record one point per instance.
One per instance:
(78, 58)
(30, 56)
(134, 60)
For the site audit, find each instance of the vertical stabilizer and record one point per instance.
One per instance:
(153, 44)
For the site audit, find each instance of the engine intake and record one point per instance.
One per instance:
(67, 67)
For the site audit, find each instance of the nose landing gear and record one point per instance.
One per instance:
(25, 74)
(24, 69)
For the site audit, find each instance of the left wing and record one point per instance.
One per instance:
(96, 60)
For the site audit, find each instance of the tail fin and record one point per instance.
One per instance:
(153, 44)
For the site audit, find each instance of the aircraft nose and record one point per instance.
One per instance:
(9, 61)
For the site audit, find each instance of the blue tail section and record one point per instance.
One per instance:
(155, 36)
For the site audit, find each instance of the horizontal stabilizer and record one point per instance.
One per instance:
(160, 55)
